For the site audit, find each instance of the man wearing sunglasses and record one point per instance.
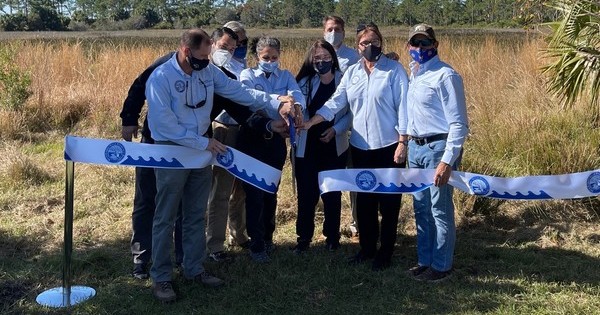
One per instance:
(437, 128)
(180, 95)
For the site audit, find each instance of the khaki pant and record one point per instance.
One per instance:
(226, 199)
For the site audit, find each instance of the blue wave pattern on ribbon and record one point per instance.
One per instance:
(518, 195)
(252, 179)
(392, 188)
(152, 162)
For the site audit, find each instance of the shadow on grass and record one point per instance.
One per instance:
(493, 269)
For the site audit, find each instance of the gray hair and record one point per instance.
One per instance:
(267, 41)
(236, 27)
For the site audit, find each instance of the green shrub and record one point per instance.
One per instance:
(14, 82)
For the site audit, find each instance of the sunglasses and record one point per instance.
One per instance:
(421, 42)
(199, 104)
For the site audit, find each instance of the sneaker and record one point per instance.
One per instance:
(358, 258)
(300, 248)
(208, 279)
(163, 291)
(220, 256)
(140, 271)
(269, 247)
(432, 275)
(260, 257)
(416, 270)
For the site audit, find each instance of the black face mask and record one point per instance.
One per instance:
(323, 67)
(372, 53)
(197, 64)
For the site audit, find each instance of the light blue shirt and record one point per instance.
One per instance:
(166, 93)
(341, 122)
(346, 57)
(377, 103)
(280, 82)
(436, 105)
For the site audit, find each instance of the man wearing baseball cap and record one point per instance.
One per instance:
(438, 127)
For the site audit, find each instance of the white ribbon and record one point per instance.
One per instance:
(123, 153)
(395, 180)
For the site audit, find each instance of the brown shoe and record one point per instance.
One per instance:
(208, 280)
(163, 291)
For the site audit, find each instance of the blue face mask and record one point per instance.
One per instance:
(268, 67)
(240, 52)
(421, 55)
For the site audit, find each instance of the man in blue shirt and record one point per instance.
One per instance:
(334, 33)
(438, 127)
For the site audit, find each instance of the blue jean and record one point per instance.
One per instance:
(190, 187)
(434, 210)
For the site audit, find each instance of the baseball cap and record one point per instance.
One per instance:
(423, 29)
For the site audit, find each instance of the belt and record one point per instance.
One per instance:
(425, 140)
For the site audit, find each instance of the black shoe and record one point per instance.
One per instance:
(416, 270)
(269, 247)
(300, 248)
(432, 275)
(359, 258)
(163, 291)
(380, 264)
(332, 247)
(245, 245)
(140, 271)
(220, 256)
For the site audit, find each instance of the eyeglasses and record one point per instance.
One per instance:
(366, 43)
(424, 42)
(199, 104)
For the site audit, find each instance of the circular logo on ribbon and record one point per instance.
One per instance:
(479, 185)
(593, 182)
(115, 152)
(366, 180)
(179, 86)
(225, 159)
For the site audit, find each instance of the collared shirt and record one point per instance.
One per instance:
(377, 103)
(346, 57)
(169, 88)
(436, 105)
(341, 122)
(280, 82)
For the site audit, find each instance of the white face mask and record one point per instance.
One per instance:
(335, 39)
(221, 57)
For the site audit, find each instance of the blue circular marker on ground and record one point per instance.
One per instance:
(479, 185)
(226, 159)
(593, 182)
(115, 152)
(366, 180)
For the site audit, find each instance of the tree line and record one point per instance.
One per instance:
(58, 15)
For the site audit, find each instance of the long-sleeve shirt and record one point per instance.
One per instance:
(436, 105)
(346, 57)
(280, 82)
(341, 122)
(377, 103)
(169, 89)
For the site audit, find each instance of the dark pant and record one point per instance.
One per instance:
(143, 216)
(260, 205)
(318, 158)
(368, 204)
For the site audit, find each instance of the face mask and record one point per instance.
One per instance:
(372, 53)
(323, 67)
(423, 55)
(240, 52)
(268, 67)
(335, 39)
(197, 64)
(221, 57)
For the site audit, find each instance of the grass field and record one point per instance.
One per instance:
(512, 257)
